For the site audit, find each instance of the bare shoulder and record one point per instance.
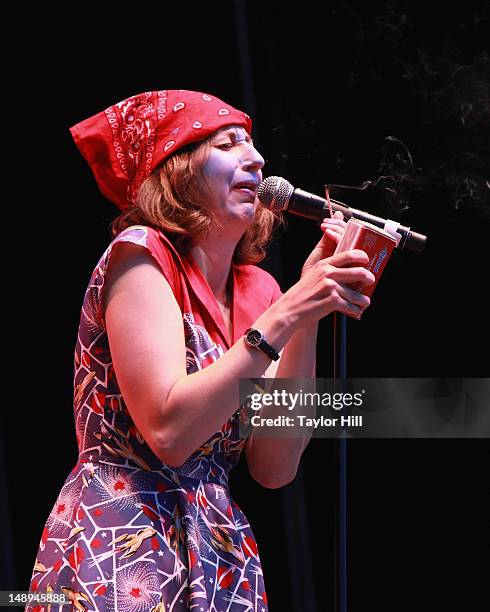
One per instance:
(129, 263)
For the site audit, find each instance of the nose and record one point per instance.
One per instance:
(252, 160)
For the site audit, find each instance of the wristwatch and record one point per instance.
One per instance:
(255, 338)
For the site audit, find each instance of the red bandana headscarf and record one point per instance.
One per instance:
(127, 141)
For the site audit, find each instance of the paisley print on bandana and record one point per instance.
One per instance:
(133, 123)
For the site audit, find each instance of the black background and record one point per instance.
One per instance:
(327, 83)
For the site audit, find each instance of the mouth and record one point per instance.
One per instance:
(248, 188)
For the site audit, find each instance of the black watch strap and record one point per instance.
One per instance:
(255, 338)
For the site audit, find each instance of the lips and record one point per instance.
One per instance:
(247, 187)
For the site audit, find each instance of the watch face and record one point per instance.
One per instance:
(254, 337)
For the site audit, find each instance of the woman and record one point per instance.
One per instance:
(145, 520)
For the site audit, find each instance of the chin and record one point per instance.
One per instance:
(244, 213)
(247, 215)
(249, 209)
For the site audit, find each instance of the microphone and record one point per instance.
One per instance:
(277, 194)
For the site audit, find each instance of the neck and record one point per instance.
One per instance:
(214, 258)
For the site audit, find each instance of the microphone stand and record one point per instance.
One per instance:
(340, 371)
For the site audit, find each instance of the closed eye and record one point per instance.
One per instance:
(225, 145)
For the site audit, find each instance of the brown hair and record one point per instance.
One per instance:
(168, 200)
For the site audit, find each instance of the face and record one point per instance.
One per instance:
(233, 172)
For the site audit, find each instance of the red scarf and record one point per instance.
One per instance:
(125, 143)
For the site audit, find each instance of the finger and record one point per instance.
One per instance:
(336, 236)
(333, 232)
(338, 230)
(348, 308)
(355, 297)
(350, 276)
(353, 257)
(335, 218)
(333, 222)
(333, 228)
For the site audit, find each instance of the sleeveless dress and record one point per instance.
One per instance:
(127, 532)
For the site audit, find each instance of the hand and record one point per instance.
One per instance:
(324, 287)
(332, 228)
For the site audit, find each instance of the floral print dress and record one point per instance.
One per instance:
(127, 532)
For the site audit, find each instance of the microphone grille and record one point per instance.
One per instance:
(274, 193)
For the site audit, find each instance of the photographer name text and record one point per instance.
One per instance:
(304, 421)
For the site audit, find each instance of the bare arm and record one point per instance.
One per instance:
(273, 462)
(176, 412)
